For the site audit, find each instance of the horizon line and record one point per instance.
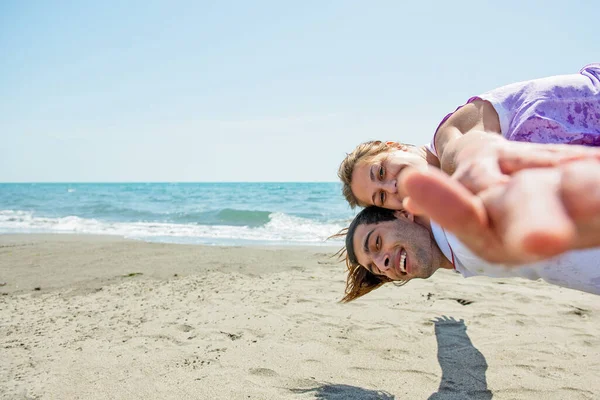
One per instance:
(101, 182)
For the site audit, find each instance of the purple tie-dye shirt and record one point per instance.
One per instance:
(558, 109)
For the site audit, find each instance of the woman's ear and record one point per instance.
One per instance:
(397, 145)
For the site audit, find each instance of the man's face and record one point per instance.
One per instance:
(375, 181)
(401, 249)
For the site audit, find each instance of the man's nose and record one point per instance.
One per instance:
(383, 262)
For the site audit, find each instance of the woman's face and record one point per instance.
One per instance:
(375, 181)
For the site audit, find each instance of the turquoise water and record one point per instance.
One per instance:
(203, 213)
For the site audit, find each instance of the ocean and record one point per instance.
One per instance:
(191, 213)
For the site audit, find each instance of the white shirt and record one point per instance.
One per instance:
(579, 270)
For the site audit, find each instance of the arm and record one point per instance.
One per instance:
(470, 151)
(474, 122)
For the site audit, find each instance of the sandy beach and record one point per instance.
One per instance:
(99, 317)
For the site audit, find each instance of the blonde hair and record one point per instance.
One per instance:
(363, 152)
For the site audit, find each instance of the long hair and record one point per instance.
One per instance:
(363, 151)
(361, 281)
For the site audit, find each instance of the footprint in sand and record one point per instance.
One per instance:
(582, 312)
(232, 336)
(311, 360)
(463, 302)
(263, 372)
(185, 328)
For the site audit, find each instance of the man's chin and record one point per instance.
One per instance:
(422, 274)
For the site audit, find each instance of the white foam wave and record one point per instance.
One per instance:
(281, 229)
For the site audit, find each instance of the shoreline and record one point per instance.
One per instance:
(48, 269)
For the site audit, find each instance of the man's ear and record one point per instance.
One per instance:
(404, 214)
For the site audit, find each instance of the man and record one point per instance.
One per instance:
(385, 245)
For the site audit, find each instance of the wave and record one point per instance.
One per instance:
(123, 213)
(279, 228)
(226, 216)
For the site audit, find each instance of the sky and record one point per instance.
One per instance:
(211, 91)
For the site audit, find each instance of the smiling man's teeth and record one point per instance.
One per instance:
(403, 261)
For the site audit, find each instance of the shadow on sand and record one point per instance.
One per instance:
(463, 366)
(345, 392)
(463, 370)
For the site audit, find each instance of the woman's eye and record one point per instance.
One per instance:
(381, 172)
(378, 243)
(382, 198)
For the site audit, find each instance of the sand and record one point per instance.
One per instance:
(88, 317)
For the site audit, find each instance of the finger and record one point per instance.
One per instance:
(480, 176)
(580, 192)
(521, 156)
(528, 215)
(445, 201)
(580, 189)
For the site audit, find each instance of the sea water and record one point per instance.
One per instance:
(197, 213)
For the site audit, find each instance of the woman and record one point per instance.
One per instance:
(560, 109)
(556, 110)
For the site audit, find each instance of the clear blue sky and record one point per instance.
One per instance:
(255, 90)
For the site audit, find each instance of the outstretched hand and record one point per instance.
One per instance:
(480, 160)
(529, 214)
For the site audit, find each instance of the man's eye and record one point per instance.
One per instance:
(378, 243)
(382, 197)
